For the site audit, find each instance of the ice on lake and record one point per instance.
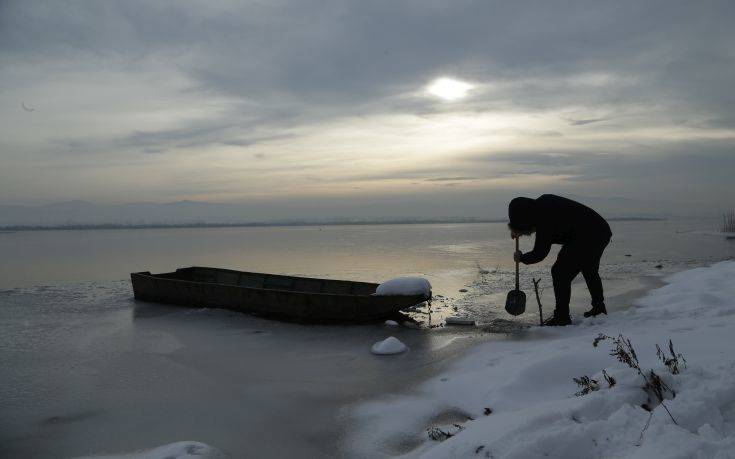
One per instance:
(86, 370)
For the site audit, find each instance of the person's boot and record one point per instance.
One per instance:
(558, 320)
(597, 309)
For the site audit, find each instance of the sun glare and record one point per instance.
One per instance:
(449, 89)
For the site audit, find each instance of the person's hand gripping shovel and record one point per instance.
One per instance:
(515, 303)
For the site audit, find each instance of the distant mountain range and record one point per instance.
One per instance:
(144, 213)
(80, 214)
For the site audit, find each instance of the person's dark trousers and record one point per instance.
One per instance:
(575, 257)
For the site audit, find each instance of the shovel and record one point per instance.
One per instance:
(515, 304)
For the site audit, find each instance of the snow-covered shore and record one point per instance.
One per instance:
(515, 398)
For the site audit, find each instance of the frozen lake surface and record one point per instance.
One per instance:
(87, 370)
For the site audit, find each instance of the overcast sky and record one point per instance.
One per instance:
(338, 102)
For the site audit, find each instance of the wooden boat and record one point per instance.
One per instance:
(301, 299)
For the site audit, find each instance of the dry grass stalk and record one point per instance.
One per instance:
(623, 350)
(656, 389)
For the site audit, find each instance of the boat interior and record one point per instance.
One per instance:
(269, 281)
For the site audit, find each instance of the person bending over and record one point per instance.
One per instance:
(583, 234)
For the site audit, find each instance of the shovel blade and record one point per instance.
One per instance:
(515, 303)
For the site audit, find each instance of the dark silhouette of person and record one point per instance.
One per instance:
(583, 234)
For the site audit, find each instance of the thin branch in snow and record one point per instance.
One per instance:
(538, 300)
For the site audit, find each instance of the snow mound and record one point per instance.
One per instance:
(405, 286)
(178, 450)
(388, 346)
(391, 323)
(519, 394)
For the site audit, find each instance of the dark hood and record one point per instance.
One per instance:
(522, 214)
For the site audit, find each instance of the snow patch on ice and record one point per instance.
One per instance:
(390, 345)
(405, 286)
(178, 450)
(456, 320)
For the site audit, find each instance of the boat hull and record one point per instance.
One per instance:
(282, 297)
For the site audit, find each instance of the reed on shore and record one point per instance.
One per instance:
(728, 222)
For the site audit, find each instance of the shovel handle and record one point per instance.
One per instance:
(517, 284)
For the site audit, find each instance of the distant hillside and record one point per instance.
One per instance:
(102, 226)
(194, 213)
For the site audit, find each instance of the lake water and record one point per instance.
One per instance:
(87, 370)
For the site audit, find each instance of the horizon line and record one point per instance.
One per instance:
(116, 226)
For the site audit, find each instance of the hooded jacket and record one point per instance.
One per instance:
(556, 220)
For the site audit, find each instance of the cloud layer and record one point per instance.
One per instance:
(293, 100)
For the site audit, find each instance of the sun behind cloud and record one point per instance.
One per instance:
(449, 89)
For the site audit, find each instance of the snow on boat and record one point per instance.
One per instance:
(284, 297)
